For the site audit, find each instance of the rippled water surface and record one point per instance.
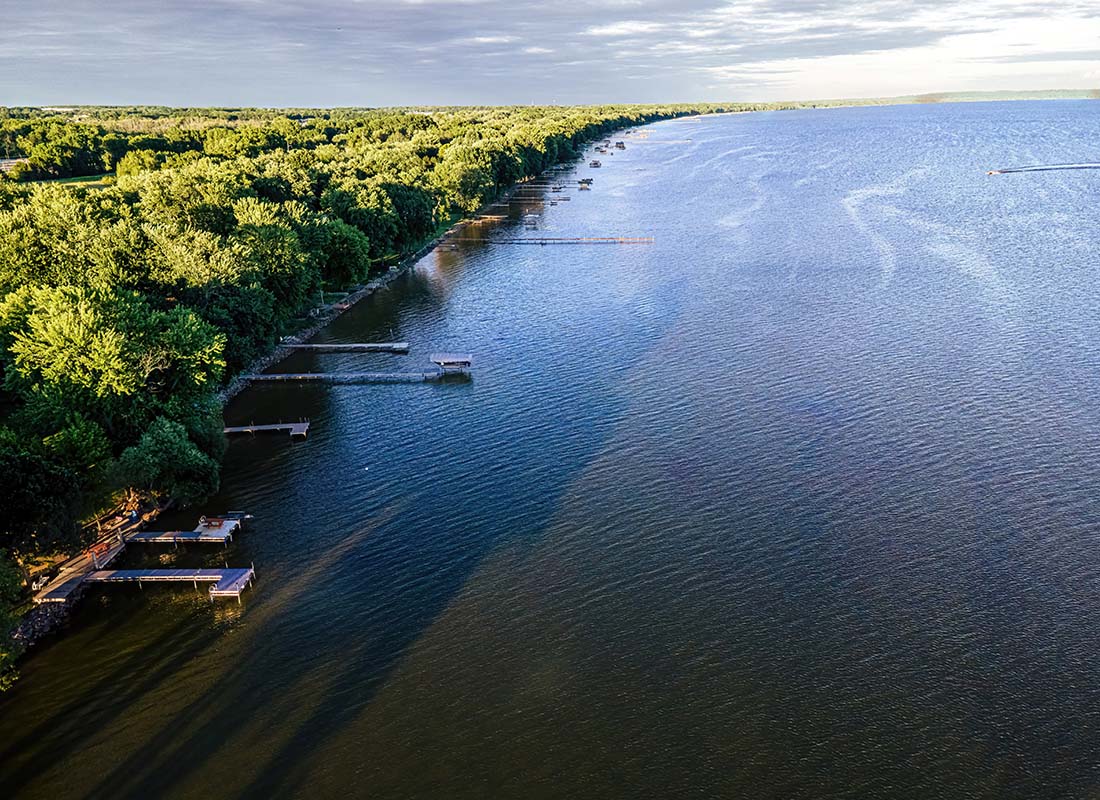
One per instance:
(800, 500)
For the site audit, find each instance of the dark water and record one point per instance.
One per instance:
(799, 501)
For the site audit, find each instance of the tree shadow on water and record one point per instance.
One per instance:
(65, 731)
(345, 677)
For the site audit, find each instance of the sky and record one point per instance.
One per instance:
(412, 52)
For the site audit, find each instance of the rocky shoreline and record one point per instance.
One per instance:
(38, 623)
(47, 618)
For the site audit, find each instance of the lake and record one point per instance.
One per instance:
(798, 501)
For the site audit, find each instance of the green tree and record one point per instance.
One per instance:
(108, 357)
(166, 461)
(345, 255)
(465, 175)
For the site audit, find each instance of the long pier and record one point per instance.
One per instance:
(543, 240)
(352, 347)
(228, 582)
(346, 377)
(293, 428)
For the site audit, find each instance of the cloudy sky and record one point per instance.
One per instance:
(388, 52)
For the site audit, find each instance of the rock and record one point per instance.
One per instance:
(40, 622)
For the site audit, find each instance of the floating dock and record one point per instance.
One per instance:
(228, 582)
(352, 347)
(293, 428)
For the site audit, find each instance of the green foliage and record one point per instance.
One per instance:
(81, 446)
(465, 174)
(165, 460)
(107, 357)
(137, 161)
(11, 582)
(345, 254)
(8, 674)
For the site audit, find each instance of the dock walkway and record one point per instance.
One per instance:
(228, 582)
(202, 534)
(544, 240)
(346, 377)
(79, 569)
(352, 347)
(293, 428)
(73, 573)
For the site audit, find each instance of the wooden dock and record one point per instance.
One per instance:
(293, 428)
(68, 581)
(228, 582)
(545, 240)
(204, 533)
(66, 586)
(346, 377)
(352, 347)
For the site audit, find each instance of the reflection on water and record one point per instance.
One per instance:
(798, 501)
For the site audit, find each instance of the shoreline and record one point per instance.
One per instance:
(237, 384)
(44, 620)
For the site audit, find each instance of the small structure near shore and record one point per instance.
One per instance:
(452, 363)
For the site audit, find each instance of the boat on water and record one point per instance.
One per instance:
(594, 163)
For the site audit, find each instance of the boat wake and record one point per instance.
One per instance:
(1042, 168)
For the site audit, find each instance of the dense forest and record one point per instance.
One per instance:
(128, 300)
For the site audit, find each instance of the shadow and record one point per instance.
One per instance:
(167, 757)
(102, 702)
(345, 675)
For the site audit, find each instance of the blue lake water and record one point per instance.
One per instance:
(799, 501)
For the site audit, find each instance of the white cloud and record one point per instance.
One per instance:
(489, 39)
(625, 28)
(282, 52)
